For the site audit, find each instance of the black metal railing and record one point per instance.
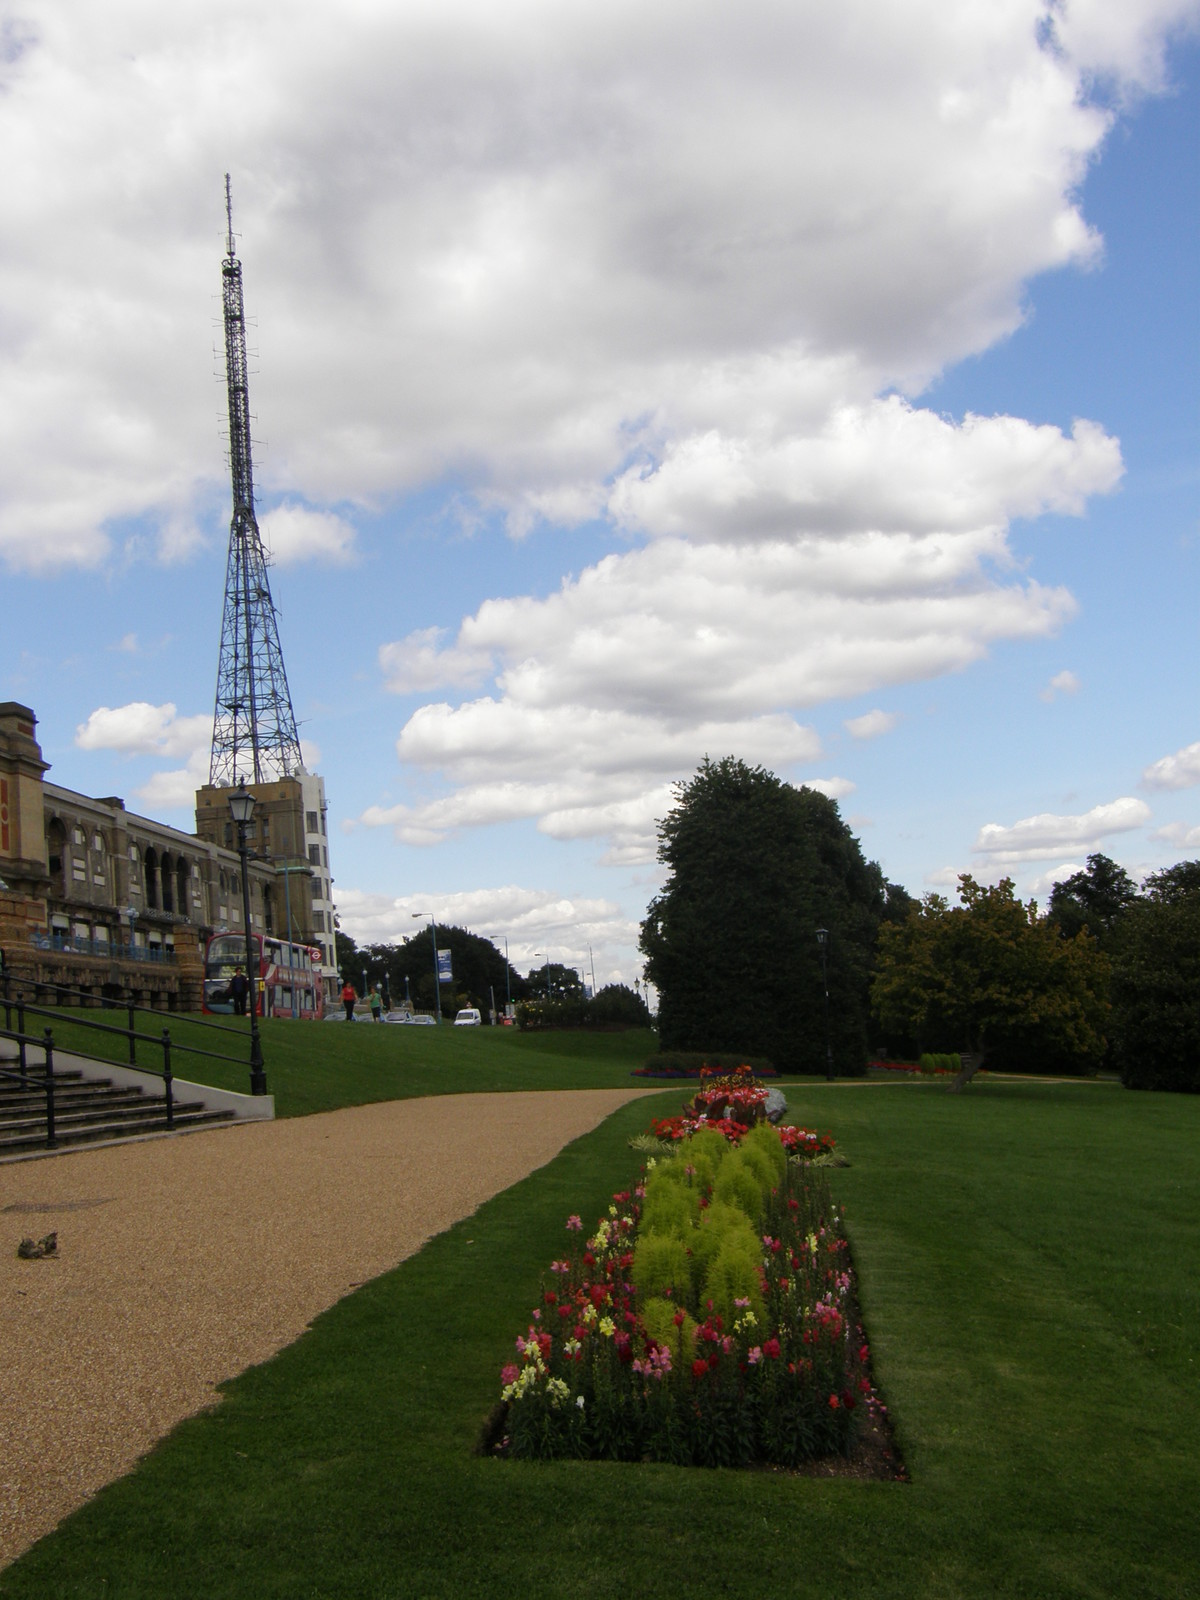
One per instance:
(17, 1007)
(109, 949)
(26, 1075)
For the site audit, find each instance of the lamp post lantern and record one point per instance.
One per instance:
(823, 941)
(241, 807)
(437, 977)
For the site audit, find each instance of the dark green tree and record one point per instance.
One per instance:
(553, 981)
(1156, 984)
(993, 979)
(1095, 899)
(616, 1005)
(755, 867)
(478, 969)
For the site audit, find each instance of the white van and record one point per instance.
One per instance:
(468, 1017)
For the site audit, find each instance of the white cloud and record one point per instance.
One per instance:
(833, 788)
(418, 663)
(508, 247)
(294, 533)
(1178, 834)
(560, 926)
(1046, 835)
(871, 724)
(1062, 683)
(143, 729)
(1178, 771)
(175, 790)
(1044, 882)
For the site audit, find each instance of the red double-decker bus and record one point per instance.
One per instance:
(285, 978)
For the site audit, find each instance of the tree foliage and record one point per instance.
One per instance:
(993, 978)
(1095, 899)
(755, 867)
(478, 969)
(1156, 984)
(617, 1005)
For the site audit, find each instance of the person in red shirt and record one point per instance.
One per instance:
(349, 996)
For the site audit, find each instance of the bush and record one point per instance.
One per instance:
(617, 1006)
(933, 1063)
(690, 1064)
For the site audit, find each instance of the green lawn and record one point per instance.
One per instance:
(318, 1066)
(1029, 1259)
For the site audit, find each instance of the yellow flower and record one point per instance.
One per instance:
(607, 1327)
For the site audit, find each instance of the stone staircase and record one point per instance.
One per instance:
(87, 1110)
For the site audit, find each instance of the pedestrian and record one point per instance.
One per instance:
(239, 988)
(349, 996)
(376, 1005)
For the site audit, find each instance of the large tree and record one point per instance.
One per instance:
(478, 969)
(755, 868)
(1095, 899)
(993, 979)
(1156, 984)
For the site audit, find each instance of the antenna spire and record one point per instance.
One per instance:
(228, 219)
(254, 726)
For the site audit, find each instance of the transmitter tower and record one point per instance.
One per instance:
(254, 726)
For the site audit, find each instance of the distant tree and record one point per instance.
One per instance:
(1156, 985)
(755, 867)
(993, 979)
(478, 969)
(1095, 899)
(553, 981)
(617, 1005)
(348, 963)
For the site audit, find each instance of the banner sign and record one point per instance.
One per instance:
(443, 964)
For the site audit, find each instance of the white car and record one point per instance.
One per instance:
(411, 1019)
(468, 1017)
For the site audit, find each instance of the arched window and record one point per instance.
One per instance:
(151, 878)
(167, 873)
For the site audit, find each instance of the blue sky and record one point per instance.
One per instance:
(630, 385)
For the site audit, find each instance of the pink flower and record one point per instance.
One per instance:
(574, 1223)
(509, 1374)
(754, 1356)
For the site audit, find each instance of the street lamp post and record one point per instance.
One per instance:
(241, 806)
(437, 977)
(823, 941)
(592, 964)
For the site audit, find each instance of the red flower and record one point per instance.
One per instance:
(699, 1368)
(834, 1402)
(771, 1348)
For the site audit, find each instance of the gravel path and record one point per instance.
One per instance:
(182, 1261)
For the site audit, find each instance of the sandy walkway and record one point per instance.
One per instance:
(183, 1261)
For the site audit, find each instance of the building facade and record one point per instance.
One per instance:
(96, 898)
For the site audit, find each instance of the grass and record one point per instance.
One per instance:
(320, 1066)
(1029, 1263)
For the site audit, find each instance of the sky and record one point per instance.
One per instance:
(631, 383)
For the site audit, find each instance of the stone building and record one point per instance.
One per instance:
(96, 898)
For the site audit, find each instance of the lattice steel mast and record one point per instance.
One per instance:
(254, 726)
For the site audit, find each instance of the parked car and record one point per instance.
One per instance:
(413, 1019)
(468, 1017)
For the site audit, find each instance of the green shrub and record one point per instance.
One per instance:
(658, 1318)
(739, 1184)
(719, 1224)
(670, 1207)
(733, 1275)
(660, 1263)
(693, 1060)
(940, 1062)
(706, 1150)
(765, 1138)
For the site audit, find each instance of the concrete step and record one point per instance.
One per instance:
(32, 1141)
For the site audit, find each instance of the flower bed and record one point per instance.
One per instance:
(707, 1320)
(674, 1066)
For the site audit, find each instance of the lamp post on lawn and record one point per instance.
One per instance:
(437, 977)
(592, 964)
(241, 806)
(823, 941)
